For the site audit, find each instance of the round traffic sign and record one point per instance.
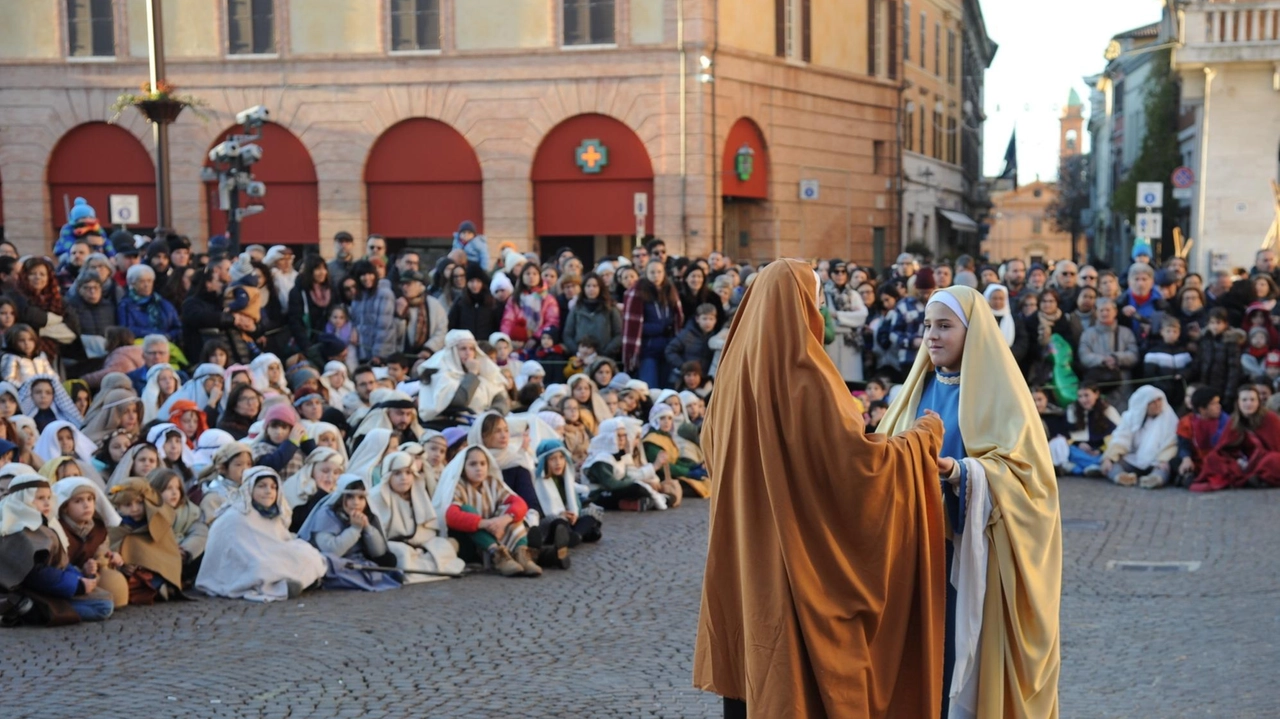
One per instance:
(124, 214)
(1183, 177)
(1149, 198)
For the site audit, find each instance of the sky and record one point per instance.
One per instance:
(1046, 48)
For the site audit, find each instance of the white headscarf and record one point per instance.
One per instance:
(207, 445)
(451, 475)
(47, 447)
(1005, 316)
(64, 488)
(529, 370)
(18, 514)
(124, 470)
(382, 502)
(434, 398)
(63, 406)
(151, 393)
(27, 426)
(301, 486)
(316, 429)
(338, 390)
(1146, 437)
(551, 396)
(258, 370)
(159, 433)
(598, 407)
(368, 456)
(193, 389)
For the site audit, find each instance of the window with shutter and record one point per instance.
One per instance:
(589, 22)
(415, 25)
(906, 31)
(251, 27)
(90, 28)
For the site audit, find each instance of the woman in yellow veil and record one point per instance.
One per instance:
(1004, 552)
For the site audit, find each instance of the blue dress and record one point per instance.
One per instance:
(942, 395)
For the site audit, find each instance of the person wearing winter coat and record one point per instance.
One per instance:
(123, 356)
(594, 315)
(309, 302)
(1108, 351)
(531, 310)
(144, 311)
(476, 310)
(420, 318)
(94, 310)
(474, 245)
(691, 344)
(373, 313)
(1218, 363)
(849, 314)
(202, 313)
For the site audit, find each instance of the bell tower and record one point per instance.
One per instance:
(1070, 141)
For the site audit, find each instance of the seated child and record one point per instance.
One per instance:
(220, 482)
(610, 398)
(602, 372)
(548, 349)
(85, 518)
(1254, 357)
(398, 366)
(403, 507)
(875, 412)
(559, 503)
(691, 343)
(350, 536)
(283, 435)
(251, 554)
(695, 408)
(1198, 434)
(1144, 443)
(307, 487)
(592, 409)
(188, 523)
(693, 380)
(171, 443)
(576, 437)
(144, 538)
(504, 355)
(48, 588)
(586, 356)
(660, 449)
(1171, 359)
(877, 389)
(23, 358)
(484, 515)
(1091, 420)
(617, 480)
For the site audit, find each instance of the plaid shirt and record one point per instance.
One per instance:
(906, 323)
(633, 327)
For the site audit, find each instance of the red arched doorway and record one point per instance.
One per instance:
(95, 160)
(744, 189)
(586, 175)
(423, 179)
(292, 214)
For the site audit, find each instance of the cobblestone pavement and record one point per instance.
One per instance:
(613, 637)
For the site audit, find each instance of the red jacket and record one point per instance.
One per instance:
(458, 519)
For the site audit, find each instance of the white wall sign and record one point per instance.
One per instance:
(1150, 194)
(808, 189)
(641, 204)
(124, 209)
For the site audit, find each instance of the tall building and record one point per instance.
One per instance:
(935, 216)
(761, 127)
(1228, 58)
(979, 50)
(1071, 127)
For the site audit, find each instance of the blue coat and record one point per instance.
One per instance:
(133, 315)
(477, 250)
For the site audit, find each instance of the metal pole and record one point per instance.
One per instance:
(233, 219)
(159, 130)
(1203, 180)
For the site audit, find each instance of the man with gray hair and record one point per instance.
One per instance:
(155, 350)
(143, 310)
(1065, 281)
(1139, 303)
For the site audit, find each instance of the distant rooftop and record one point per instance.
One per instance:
(1145, 32)
(1073, 100)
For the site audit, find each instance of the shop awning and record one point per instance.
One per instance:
(960, 222)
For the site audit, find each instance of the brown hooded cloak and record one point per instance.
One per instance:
(823, 593)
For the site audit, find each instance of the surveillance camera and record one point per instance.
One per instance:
(255, 189)
(224, 151)
(254, 116)
(250, 153)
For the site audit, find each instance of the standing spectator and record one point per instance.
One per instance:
(568, 292)
(1218, 358)
(476, 246)
(1084, 316)
(1014, 277)
(40, 305)
(943, 275)
(1065, 277)
(850, 315)
(531, 310)
(143, 311)
(1109, 286)
(423, 321)
(595, 316)
(202, 313)
(903, 329)
(1108, 350)
(476, 310)
(964, 272)
(70, 267)
(1191, 311)
(373, 313)
(279, 261)
(340, 265)
(651, 317)
(310, 298)
(375, 248)
(1140, 303)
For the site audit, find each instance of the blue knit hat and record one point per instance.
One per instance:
(1140, 247)
(81, 210)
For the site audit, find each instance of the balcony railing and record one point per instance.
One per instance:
(1223, 31)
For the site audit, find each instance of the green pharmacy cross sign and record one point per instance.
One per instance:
(591, 156)
(744, 163)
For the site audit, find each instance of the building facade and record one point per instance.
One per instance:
(543, 121)
(1021, 228)
(1228, 58)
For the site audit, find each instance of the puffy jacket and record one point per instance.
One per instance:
(690, 344)
(94, 319)
(134, 315)
(481, 314)
(515, 325)
(1219, 363)
(374, 315)
(604, 323)
(203, 319)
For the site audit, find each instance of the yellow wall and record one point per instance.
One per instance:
(500, 24)
(324, 27)
(838, 30)
(646, 22)
(189, 28)
(748, 25)
(27, 30)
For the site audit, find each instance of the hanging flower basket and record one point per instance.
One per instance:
(161, 104)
